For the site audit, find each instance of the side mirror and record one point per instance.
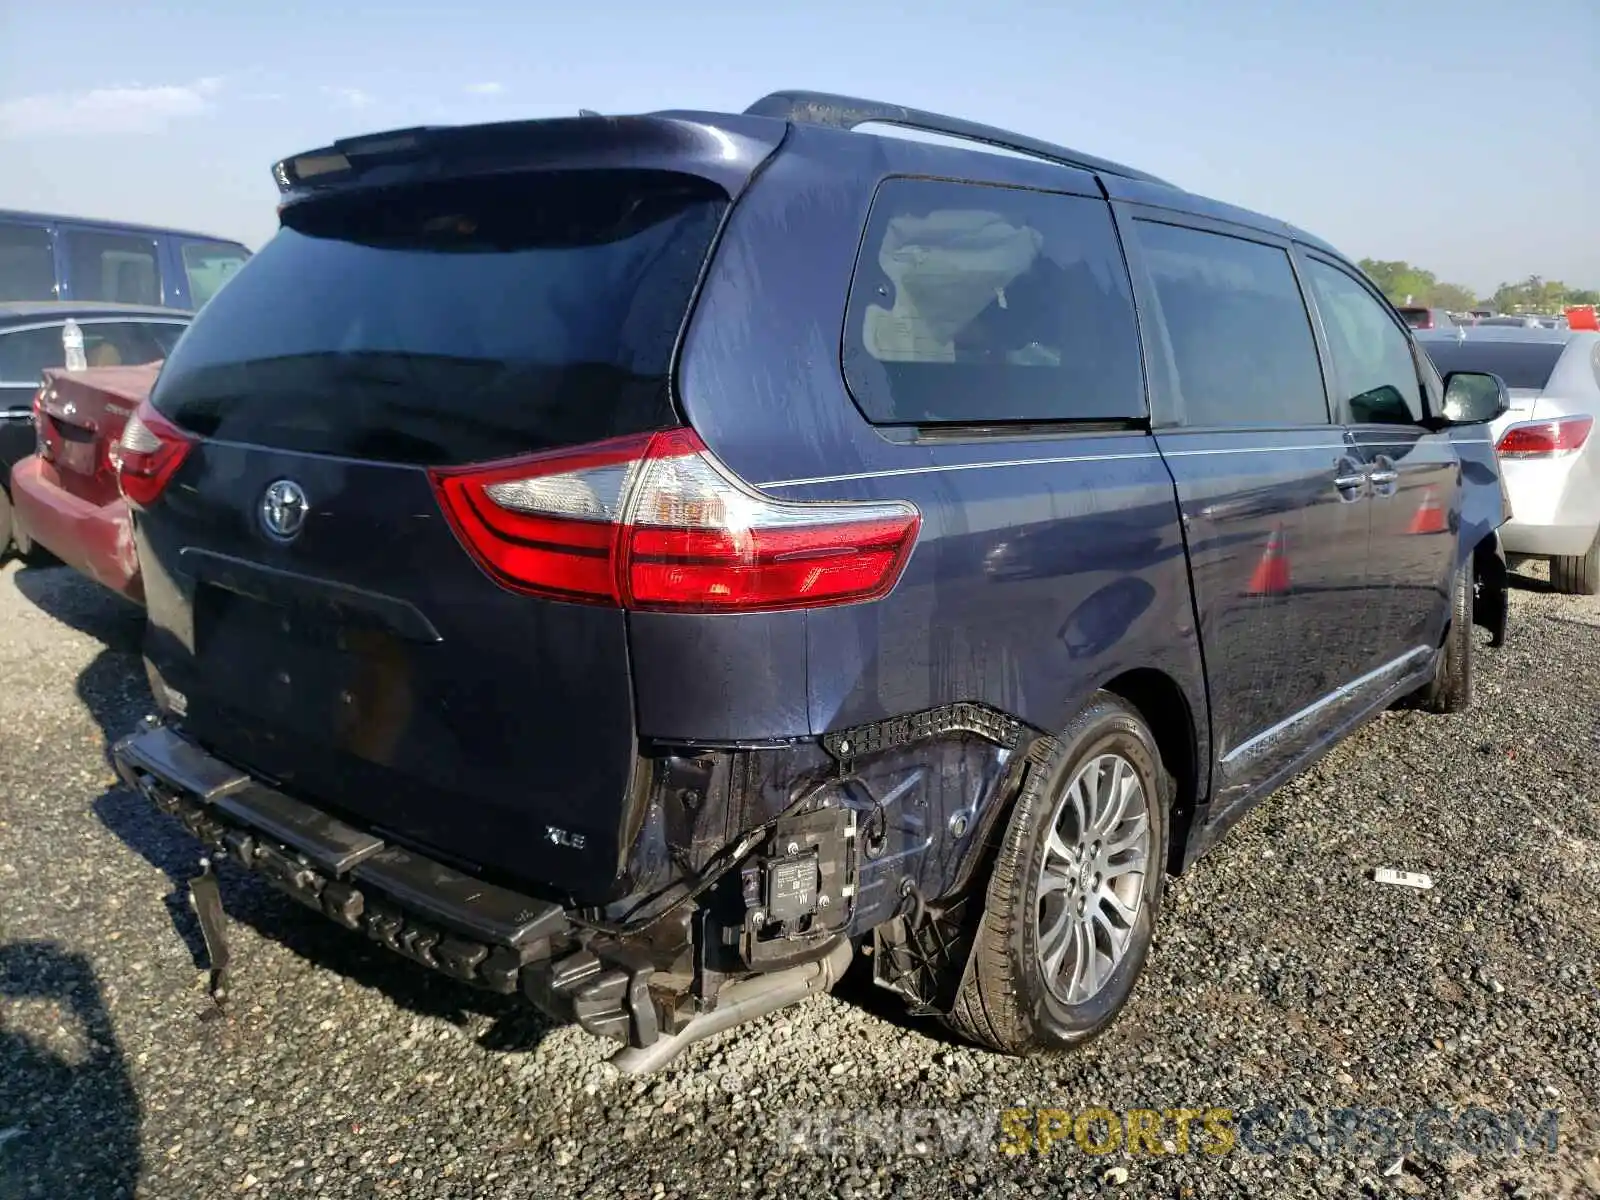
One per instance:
(1474, 398)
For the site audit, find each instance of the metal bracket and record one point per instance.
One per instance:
(206, 900)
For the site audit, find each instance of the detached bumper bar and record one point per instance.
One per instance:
(471, 930)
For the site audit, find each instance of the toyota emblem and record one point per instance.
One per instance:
(283, 509)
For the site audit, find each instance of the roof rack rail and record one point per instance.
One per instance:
(847, 112)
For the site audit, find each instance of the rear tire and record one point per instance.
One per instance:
(1451, 689)
(5, 525)
(1069, 917)
(1577, 574)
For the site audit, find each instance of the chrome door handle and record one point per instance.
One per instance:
(16, 414)
(1383, 475)
(1350, 479)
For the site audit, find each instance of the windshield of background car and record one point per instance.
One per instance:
(1525, 365)
(453, 321)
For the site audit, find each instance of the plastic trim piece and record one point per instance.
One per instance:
(964, 716)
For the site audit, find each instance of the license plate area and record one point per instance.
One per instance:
(307, 668)
(75, 447)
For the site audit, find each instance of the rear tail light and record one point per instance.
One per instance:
(150, 451)
(656, 523)
(1544, 439)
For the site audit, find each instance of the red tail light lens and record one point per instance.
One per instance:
(546, 524)
(656, 523)
(149, 453)
(1535, 439)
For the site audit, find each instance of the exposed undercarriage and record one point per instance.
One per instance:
(753, 875)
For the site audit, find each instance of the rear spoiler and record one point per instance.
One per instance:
(719, 146)
(724, 149)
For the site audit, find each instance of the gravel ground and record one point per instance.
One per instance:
(1281, 974)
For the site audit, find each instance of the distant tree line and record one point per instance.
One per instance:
(1400, 280)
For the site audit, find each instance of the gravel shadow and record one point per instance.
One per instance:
(1530, 575)
(69, 1115)
(108, 618)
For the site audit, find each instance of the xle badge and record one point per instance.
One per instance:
(563, 837)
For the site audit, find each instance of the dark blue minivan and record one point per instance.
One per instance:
(46, 257)
(643, 562)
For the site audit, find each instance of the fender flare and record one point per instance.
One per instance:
(1491, 587)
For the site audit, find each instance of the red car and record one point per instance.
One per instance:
(65, 495)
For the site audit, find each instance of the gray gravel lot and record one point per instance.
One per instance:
(1281, 974)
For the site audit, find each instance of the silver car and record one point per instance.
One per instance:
(1547, 444)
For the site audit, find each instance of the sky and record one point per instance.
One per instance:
(1460, 136)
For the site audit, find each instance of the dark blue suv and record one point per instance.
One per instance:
(640, 562)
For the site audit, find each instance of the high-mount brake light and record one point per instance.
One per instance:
(148, 454)
(1544, 439)
(655, 523)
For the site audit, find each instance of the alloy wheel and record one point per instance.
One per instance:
(1091, 883)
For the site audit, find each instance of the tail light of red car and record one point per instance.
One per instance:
(150, 451)
(1544, 439)
(656, 523)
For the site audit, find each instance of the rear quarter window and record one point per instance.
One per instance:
(27, 263)
(976, 304)
(209, 265)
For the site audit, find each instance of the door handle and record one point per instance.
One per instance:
(1350, 479)
(1383, 475)
(16, 414)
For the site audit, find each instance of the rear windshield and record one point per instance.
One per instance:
(452, 322)
(1418, 318)
(1521, 364)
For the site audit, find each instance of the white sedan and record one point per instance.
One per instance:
(1546, 443)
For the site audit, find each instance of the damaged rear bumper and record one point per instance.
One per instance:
(473, 931)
